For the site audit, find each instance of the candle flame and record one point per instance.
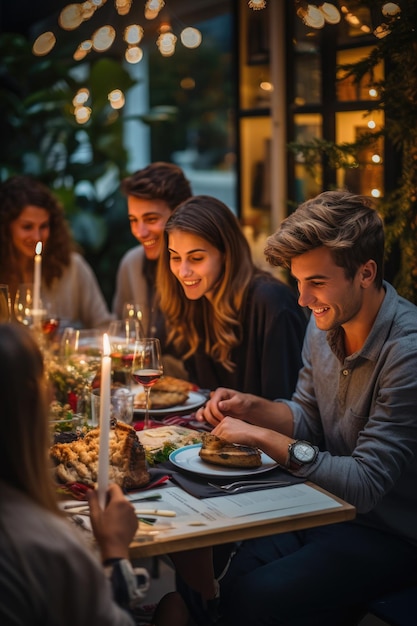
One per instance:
(38, 248)
(106, 345)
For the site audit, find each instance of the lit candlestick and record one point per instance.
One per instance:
(37, 279)
(103, 454)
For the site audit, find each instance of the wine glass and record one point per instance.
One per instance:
(82, 349)
(23, 304)
(123, 335)
(5, 313)
(147, 368)
(83, 346)
(132, 310)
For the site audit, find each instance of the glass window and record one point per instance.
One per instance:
(347, 89)
(366, 176)
(307, 183)
(197, 88)
(307, 68)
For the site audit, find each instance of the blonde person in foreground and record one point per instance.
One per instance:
(48, 575)
(350, 427)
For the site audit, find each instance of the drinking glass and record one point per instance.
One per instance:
(82, 350)
(84, 346)
(123, 335)
(132, 310)
(147, 368)
(5, 311)
(23, 304)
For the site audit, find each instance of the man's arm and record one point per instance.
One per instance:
(276, 416)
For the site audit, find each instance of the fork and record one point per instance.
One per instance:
(242, 484)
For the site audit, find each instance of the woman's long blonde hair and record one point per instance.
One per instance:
(215, 324)
(25, 437)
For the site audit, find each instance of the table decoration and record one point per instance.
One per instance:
(103, 456)
(63, 419)
(37, 281)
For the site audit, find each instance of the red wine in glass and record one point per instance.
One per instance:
(49, 326)
(147, 378)
(147, 368)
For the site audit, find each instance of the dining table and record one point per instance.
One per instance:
(197, 522)
(182, 510)
(203, 514)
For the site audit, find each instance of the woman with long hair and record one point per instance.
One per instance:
(48, 575)
(235, 325)
(29, 213)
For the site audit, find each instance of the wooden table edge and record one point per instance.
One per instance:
(208, 537)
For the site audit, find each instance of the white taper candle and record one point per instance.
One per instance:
(103, 455)
(37, 278)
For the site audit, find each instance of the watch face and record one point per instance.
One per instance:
(303, 452)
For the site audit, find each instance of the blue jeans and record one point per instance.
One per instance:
(321, 577)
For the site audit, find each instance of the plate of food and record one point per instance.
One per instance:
(76, 461)
(160, 442)
(214, 457)
(169, 395)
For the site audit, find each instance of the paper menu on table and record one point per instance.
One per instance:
(290, 500)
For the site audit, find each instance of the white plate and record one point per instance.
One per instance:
(194, 401)
(187, 458)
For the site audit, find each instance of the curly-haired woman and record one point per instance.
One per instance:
(29, 213)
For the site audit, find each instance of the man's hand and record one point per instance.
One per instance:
(224, 402)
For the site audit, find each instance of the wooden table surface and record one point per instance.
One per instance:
(210, 521)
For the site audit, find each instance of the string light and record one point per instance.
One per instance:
(256, 5)
(316, 15)
(73, 15)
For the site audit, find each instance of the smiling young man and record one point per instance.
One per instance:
(152, 194)
(350, 427)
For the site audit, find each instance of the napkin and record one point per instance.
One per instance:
(198, 486)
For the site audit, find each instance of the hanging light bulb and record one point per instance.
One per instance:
(82, 114)
(152, 8)
(134, 54)
(314, 17)
(44, 44)
(103, 38)
(133, 34)
(116, 98)
(330, 12)
(166, 44)
(71, 17)
(256, 5)
(123, 6)
(83, 49)
(81, 97)
(88, 8)
(191, 37)
(390, 9)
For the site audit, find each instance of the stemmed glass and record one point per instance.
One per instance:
(5, 313)
(83, 346)
(132, 310)
(43, 322)
(123, 335)
(147, 368)
(81, 349)
(23, 304)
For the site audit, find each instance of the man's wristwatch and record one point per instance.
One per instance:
(301, 453)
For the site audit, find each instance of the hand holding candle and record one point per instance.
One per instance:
(103, 455)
